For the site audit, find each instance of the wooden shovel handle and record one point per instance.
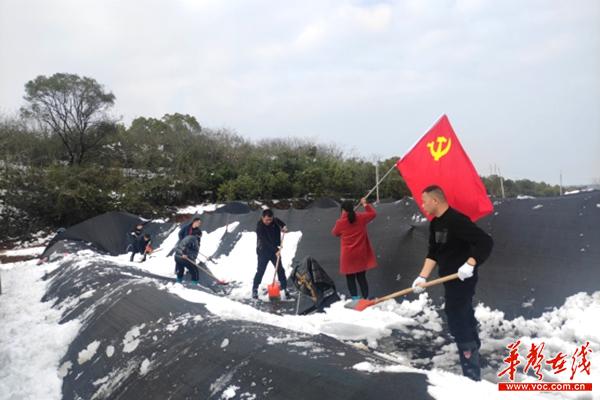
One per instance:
(278, 257)
(410, 289)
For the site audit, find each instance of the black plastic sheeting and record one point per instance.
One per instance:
(234, 207)
(546, 249)
(108, 232)
(324, 202)
(184, 352)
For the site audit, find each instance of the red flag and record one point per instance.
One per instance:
(439, 159)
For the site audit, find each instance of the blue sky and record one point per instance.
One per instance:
(519, 80)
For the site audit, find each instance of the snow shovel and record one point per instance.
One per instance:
(219, 281)
(361, 304)
(208, 258)
(273, 289)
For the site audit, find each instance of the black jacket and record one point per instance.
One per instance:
(268, 237)
(453, 238)
(134, 238)
(189, 246)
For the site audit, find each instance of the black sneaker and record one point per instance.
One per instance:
(254, 293)
(287, 293)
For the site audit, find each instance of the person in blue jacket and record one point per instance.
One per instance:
(186, 230)
(186, 253)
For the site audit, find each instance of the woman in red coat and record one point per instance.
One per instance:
(356, 255)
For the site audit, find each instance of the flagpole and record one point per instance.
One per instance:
(377, 180)
(561, 186)
(377, 184)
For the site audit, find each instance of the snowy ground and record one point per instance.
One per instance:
(29, 367)
(28, 251)
(198, 209)
(32, 342)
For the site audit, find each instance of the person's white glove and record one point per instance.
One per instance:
(416, 285)
(465, 272)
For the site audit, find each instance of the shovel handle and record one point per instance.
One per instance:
(410, 289)
(278, 257)
(205, 270)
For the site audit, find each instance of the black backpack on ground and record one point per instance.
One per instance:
(311, 280)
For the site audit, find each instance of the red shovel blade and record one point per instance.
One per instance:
(274, 292)
(363, 303)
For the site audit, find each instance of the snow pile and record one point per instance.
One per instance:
(86, 354)
(27, 251)
(198, 209)
(32, 341)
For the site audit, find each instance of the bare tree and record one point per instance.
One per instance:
(74, 108)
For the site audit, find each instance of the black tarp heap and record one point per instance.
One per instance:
(108, 232)
(545, 249)
(153, 345)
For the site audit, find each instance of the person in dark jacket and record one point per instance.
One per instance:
(186, 253)
(356, 253)
(143, 246)
(134, 240)
(456, 245)
(268, 247)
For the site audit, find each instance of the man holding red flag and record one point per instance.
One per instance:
(438, 171)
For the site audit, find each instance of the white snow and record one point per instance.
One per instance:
(537, 206)
(86, 354)
(145, 367)
(224, 343)
(198, 209)
(366, 366)
(27, 251)
(114, 379)
(30, 366)
(229, 393)
(131, 341)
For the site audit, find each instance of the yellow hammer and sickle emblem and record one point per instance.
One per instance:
(440, 151)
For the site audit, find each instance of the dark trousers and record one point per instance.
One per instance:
(181, 264)
(361, 277)
(463, 327)
(134, 252)
(263, 260)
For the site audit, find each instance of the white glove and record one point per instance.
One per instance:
(416, 288)
(465, 272)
